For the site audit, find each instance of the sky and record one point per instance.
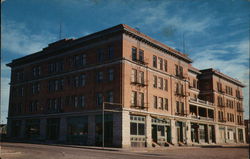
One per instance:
(213, 33)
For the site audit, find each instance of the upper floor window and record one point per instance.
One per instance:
(55, 104)
(79, 60)
(134, 53)
(165, 85)
(160, 83)
(79, 80)
(100, 55)
(36, 71)
(110, 52)
(56, 67)
(161, 63)
(133, 98)
(35, 88)
(133, 75)
(178, 70)
(160, 103)
(179, 107)
(219, 86)
(33, 107)
(99, 99)
(194, 83)
(141, 77)
(155, 101)
(99, 77)
(154, 61)
(141, 55)
(165, 65)
(110, 97)
(56, 85)
(166, 103)
(19, 76)
(155, 82)
(111, 74)
(141, 99)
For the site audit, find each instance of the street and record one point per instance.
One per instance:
(35, 151)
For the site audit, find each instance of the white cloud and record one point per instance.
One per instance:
(5, 89)
(18, 38)
(236, 67)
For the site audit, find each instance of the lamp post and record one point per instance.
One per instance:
(103, 125)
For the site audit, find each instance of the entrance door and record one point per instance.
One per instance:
(179, 134)
(154, 133)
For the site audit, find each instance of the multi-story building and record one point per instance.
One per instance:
(151, 93)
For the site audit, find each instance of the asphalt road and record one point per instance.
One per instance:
(35, 151)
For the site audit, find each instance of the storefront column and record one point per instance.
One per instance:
(91, 130)
(226, 135)
(23, 124)
(125, 129)
(208, 133)
(63, 129)
(188, 133)
(149, 131)
(244, 135)
(173, 132)
(9, 128)
(217, 134)
(43, 128)
(237, 135)
(117, 129)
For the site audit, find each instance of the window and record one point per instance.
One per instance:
(133, 128)
(161, 63)
(134, 54)
(110, 96)
(110, 52)
(99, 99)
(155, 82)
(155, 101)
(133, 75)
(19, 76)
(165, 65)
(35, 88)
(33, 106)
(219, 86)
(161, 130)
(165, 84)
(81, 101)
(166, 104)
(100, 55)
(111, 74)
(141, 99)
(154, 61)
(82, 80)
(133, 98)
(99, 77)
(141, 129)
(36, 71)
(194, 83)
(141, 55)
(160, 83)
(179, 107)
(56, 67)
(141, 77)
(160, 103)
(178, 70)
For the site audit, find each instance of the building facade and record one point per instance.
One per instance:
(151, 94)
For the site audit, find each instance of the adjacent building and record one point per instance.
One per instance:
(151, 94)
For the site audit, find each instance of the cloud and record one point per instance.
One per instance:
(19, 39)
(5, 89)
(236, 67)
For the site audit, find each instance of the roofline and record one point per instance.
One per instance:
(121, 27)
(222, 75)
(194, 70)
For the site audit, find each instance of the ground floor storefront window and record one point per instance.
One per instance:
(231, 135)
(137, 131)
(16, 128)
(240, 135)
(32, 128)
(161, 132)
(222, 134)
(77, 130)
(108, 130)
(53, 125)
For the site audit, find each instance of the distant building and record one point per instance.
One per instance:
(3, 129)
(247, 130)
(57, 94)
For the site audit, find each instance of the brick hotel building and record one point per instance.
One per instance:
(57, 94)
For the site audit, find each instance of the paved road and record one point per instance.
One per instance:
(35, 151)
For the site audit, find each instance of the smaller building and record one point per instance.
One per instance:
(247, 129)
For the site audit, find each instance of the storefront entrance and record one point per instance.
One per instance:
(161, 132)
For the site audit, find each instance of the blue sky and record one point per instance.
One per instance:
(215, 33)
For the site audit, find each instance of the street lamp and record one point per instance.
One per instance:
(103, 106)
